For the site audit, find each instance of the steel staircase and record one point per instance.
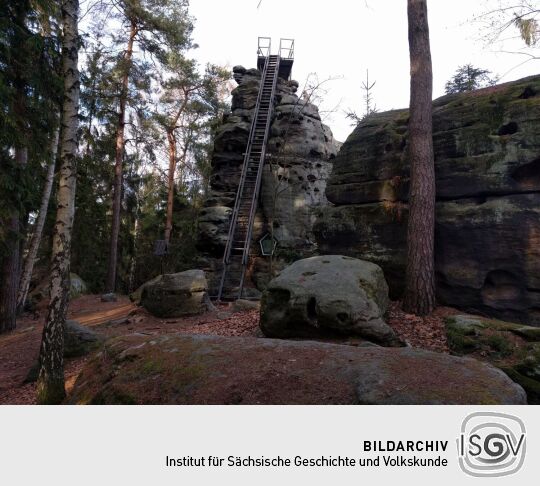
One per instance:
(236, 256)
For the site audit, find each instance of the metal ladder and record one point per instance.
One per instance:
(236, 256)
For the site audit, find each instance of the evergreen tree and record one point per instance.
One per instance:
(152, 27)
(469, 78)
(419, 295)
(29, 88)
(188, 101)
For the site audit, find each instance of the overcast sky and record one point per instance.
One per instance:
(343, 38)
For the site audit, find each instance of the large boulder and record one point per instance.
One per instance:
(325, 295)
(182, 369)
(176, 294)
(41, 292)
(487, 168)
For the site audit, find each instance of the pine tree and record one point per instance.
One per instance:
(153, 28)
(188, 100)
(419, 295)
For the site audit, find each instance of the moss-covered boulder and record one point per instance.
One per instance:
(335, 294)
(513, 348)
(177, 294)
(487, 167)
(180, 369)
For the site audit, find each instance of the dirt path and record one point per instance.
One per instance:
(19, 350)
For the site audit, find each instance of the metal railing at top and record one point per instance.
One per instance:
(286, 48)
(264, 47)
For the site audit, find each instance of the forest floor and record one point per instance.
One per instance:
(19, 349)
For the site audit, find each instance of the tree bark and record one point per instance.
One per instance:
(419, 295)
(40, 223)
(170, 184)
(171, 138)
(50, 385)
(110, 284)
(11, 262)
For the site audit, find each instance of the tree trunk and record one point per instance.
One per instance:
(40, 223)
(50, 385)
(110, 284)
(170, 184)
(11, 262)
(133, 265)
(419, 295)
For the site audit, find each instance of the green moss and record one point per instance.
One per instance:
(531, 387)
(502, 346)
(528, 333)
(460, 343)
(152, 367)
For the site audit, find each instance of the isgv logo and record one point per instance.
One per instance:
(491, 444)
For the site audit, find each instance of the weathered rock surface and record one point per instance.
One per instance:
(326, 295)
(487, 164)
(79, 340)
(136, 295)
(300, 148)
(514, 348)
(176, 294)
(77, 287)
(180, 369)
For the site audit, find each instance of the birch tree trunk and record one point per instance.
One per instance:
(50, 385)
(110, 284)
(40, 223)
(419, 295)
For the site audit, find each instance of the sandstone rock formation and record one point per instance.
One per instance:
(300, 150)
(176, 294)
(180, 369)
(487, 162)
(328, 295)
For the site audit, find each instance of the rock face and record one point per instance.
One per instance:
(176, 294)
(514, 348)
(327, 295)
(487, 164)
(180, 369)
(300, 149)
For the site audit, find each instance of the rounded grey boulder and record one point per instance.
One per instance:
(177, 294)
(324, 295)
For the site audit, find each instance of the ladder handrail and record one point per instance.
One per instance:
(255, 197)
(262, 97)
(247, 154)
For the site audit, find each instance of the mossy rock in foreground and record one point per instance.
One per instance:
(182, 369)
(513, 348)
